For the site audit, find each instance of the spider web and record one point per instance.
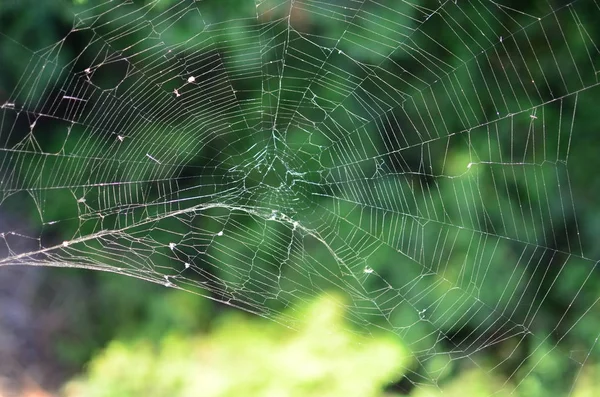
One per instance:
(413, 155)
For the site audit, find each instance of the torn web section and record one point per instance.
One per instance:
(119, 165)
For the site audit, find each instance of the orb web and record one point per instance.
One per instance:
(413, 155)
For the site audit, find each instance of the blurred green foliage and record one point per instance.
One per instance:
(244, 356)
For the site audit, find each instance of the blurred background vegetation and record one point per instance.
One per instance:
(77, 332)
